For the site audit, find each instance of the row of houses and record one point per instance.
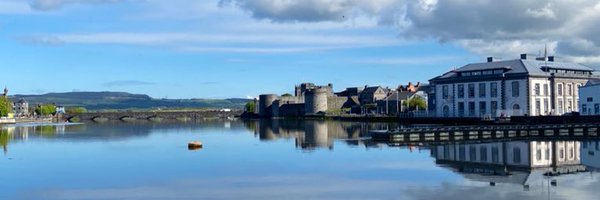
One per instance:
(527, 86)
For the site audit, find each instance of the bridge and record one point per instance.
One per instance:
(441, 135)
(162, 115)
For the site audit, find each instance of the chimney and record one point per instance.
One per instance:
(550, 58)
(490, 59)
(523, 56)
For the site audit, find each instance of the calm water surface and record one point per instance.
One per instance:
(281, 160)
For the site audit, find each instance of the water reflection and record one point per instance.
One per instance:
(315, 134)
(258, 160)
(20, 133)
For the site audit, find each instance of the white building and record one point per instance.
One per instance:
(589, 96)
(517, 87)
(21, 108)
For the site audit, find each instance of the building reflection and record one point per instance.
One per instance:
(315, 134)
(590, 154)
(11, 134)
(516, 162)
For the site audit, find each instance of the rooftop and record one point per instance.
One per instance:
(518, 66)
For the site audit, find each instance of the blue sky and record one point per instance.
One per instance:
(241, 48)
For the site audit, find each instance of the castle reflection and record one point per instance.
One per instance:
(516, 162)
(315, 134)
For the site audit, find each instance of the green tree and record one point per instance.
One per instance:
(46, 109)
(415, 103)
(76, 110)
(286, 95)
(250, 106)
(5, 106)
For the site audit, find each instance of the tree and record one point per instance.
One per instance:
(250, 106)
(415, 103)
(76, 110)
(5, 106)
(46, 109)
(286, 95)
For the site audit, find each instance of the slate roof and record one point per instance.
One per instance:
(399, 95)
(517, 66)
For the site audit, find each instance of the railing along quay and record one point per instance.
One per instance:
(487, 132)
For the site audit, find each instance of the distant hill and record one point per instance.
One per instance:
(124, 100)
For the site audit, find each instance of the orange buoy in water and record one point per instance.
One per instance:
(194, 145)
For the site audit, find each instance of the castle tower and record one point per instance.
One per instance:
(5, 91)
(315, 101)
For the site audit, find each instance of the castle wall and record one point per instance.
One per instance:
(335, 103)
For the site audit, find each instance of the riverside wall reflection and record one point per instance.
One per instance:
(315, 134)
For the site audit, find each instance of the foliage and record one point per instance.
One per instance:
(250, 106)
(415, 103)
(76, 110)
(286, 95)
(46, 109)
(5, 106)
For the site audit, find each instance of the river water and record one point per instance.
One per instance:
(282, 160)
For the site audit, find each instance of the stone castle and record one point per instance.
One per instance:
(317, 100)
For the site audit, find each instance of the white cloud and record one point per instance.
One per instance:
(505, 28)
(247, 43)
(14, 7)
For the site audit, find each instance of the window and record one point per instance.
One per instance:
(571, 153)
(570, 90)
(445, 92)
(597, 108)
(538, 109)
(560, 106)
(472, 153)
(584, 108)
(481, 89)
(546, 106)
(516, 109)
(461, 91)
(482, 106)
(515, 88)
(461, 153)
(471, 109)
(494, 108)
(494, 89)
(545, 89)
(471, 90)
(516, 155)
(446, 111)
(461, 109)
(538, 154)
(495, 155)
(536, 89)
(483, 154)
(446, 152)
(569, 105)
(559, 89)
(590, 99)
